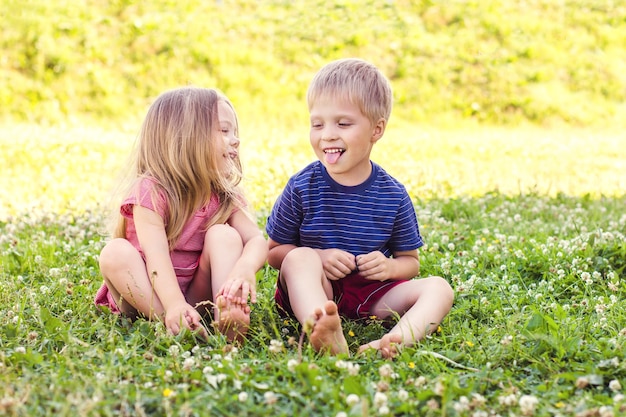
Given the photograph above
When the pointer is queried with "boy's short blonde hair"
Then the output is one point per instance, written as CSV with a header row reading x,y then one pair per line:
x,y
357,80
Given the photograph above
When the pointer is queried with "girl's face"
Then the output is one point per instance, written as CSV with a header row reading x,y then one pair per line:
x,y
228,126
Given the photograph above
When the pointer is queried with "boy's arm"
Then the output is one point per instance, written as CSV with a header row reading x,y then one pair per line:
x,y
376,266
277,253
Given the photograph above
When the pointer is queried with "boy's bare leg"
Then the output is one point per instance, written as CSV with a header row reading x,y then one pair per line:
x,y
425,301
327,335
309,293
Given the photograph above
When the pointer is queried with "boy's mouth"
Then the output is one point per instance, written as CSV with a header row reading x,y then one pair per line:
x,y
331,155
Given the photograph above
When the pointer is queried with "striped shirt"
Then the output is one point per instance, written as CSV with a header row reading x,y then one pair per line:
x,y
317,212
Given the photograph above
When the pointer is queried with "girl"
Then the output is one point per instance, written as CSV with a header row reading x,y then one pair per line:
x,y
182,238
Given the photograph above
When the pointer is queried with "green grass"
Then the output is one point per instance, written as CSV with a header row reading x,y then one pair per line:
x,y
536,254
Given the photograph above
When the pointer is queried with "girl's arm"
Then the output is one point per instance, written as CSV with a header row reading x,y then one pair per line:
x,y
254,255
153,240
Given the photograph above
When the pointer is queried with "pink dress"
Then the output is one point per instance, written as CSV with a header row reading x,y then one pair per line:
x,y
185,255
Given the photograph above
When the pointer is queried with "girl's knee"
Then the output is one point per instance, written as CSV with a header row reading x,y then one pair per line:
x,y
222,234
116,251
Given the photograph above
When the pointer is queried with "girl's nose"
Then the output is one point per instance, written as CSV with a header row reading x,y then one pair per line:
x,y
234,141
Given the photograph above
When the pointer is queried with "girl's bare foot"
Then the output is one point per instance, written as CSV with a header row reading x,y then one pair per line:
x,y
388,345
231,319
327,335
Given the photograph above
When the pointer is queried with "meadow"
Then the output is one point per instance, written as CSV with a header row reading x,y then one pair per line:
x,y
527,224
507,131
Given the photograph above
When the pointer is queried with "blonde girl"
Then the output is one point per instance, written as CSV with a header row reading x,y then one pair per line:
x,y
182,240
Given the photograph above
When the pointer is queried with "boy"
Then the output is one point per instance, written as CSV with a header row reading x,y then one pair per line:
x,y
343,233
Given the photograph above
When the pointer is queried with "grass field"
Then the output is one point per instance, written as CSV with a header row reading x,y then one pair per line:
x,y
528,225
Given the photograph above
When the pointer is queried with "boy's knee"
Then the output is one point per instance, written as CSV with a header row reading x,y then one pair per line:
x,y
444,289
300,256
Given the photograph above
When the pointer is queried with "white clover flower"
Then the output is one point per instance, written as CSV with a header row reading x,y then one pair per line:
x,y
276,346
352,400
188,363
527,404
291,364
507,400
20,349
342,414
420,381
353,368
242,397
385,371
606,411
461,405
380,399
615,385
174,350
403,395
270,397
341,364
439,388
383,410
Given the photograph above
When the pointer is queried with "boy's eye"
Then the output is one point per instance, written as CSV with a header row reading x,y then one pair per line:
x,y
344,124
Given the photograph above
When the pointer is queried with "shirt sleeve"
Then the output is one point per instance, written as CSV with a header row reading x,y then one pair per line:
x,y
406,235
145,194
283,223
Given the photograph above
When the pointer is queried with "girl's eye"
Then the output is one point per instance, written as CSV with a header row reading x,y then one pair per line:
x,y
225,131
344,124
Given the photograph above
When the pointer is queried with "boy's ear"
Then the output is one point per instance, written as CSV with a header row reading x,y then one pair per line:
x,y
379,129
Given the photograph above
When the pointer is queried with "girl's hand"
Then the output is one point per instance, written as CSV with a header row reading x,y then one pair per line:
x,y
337,263
182,315
238,290
374,266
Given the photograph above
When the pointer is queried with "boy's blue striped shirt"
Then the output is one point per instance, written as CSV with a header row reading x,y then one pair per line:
x,y
315,211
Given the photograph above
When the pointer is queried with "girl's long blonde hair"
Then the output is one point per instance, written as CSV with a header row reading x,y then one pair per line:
x,y
176,147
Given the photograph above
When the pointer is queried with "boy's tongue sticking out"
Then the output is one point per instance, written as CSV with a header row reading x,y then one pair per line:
x,y
332,155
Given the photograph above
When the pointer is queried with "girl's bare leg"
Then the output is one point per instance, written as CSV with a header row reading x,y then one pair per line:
x,y
423,303
222,249
126,277
301,273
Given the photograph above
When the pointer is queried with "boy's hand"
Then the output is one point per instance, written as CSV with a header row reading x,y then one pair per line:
x,y
181,316
374,266
337,263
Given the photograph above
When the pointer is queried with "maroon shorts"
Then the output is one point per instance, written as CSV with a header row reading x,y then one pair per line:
x,y
354,295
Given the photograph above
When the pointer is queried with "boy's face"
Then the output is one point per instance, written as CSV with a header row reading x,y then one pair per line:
x,y
342,138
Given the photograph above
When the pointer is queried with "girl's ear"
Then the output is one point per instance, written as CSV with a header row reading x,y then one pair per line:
x,y
379,129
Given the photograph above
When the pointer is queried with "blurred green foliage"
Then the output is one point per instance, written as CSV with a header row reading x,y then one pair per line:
x,y
498,62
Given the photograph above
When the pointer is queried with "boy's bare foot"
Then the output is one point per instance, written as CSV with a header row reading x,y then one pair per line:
x,y
232,320
389,345
327,335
